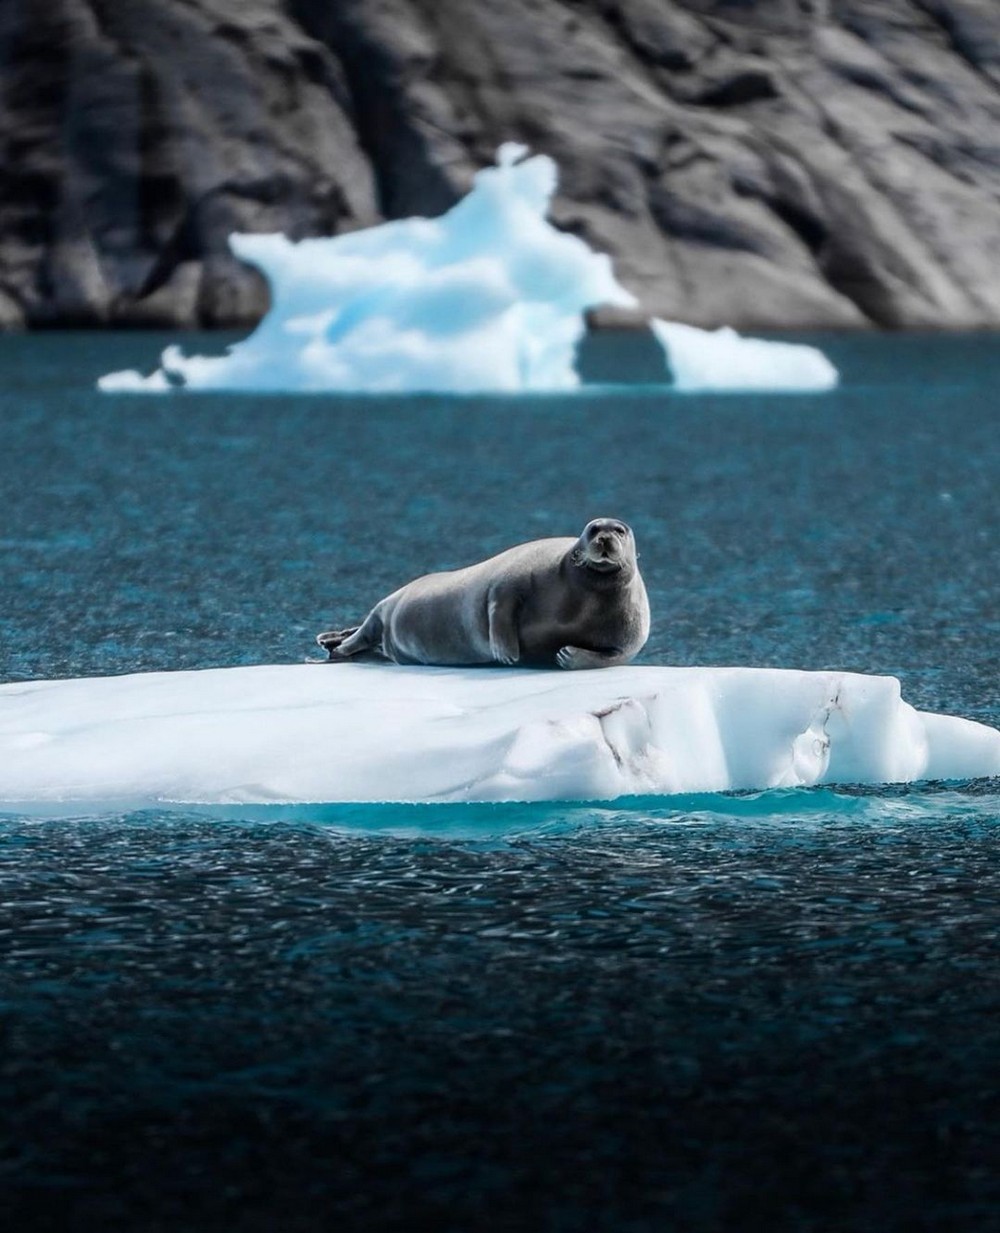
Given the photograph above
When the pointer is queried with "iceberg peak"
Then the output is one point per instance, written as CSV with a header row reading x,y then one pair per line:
x,y
511,152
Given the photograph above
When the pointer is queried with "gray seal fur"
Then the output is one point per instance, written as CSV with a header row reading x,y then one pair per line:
x,y
567,603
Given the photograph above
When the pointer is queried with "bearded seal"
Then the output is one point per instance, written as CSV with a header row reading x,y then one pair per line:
x,y
567,603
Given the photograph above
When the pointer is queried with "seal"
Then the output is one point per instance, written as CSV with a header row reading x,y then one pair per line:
x,y
567,603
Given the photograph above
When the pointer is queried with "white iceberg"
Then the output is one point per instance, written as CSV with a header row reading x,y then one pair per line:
x,y
488,297
723,360
371,732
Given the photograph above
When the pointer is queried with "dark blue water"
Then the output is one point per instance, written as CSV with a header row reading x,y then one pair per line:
x,y
774,1011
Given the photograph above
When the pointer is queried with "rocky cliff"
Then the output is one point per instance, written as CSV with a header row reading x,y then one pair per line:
x,y
765,163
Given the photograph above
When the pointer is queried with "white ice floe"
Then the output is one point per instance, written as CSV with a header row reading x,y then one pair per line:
x,y
378,732
488,297
724,360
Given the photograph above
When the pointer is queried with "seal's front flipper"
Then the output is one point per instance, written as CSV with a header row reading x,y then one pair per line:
x,y
574,657
504,645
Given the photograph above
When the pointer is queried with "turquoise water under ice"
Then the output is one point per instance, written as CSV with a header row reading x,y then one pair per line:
x,y
772,1010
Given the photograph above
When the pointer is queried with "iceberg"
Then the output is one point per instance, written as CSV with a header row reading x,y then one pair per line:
x,y
724,360
490,297
375,732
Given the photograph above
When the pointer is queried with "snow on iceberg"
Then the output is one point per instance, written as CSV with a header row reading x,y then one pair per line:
x,y
378,732
488,297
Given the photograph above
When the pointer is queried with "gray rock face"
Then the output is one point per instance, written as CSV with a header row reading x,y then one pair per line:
x,y
762,163
138,133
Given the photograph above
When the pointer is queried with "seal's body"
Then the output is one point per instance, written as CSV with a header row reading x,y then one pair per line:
x,y
571,603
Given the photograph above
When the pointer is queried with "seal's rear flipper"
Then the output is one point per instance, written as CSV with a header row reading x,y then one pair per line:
x,y
343,643
332,639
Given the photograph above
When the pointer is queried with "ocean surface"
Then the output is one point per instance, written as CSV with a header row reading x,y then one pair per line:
x,y
772,1011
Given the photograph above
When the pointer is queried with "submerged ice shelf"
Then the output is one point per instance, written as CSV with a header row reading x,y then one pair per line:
x,y
360,732
489,297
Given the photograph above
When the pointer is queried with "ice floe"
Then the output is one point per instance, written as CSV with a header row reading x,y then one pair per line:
x,y
359,732
488,297
725,360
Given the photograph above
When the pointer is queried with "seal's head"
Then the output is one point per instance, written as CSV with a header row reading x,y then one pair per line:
x,y
607,547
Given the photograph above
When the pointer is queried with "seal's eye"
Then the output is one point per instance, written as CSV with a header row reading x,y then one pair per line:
x,y
619,530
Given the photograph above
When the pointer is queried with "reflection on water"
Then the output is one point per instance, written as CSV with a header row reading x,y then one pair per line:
x,y
764,1010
